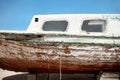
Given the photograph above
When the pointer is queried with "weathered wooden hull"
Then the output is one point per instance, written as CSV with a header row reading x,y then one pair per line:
x,y
52,57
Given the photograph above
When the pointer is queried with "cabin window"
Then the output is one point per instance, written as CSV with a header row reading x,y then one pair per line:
x,y
55,26
36,19
94,25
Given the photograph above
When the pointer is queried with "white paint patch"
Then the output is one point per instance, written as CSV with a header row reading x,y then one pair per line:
x,y
82,40
5,73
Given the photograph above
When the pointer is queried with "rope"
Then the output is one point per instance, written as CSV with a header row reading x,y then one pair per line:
x,y
48,69
60,67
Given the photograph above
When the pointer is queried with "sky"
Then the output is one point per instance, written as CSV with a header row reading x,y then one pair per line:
x,y
17,14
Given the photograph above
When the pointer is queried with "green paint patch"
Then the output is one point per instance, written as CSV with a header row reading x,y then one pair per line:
x,y
77,43
96,44
105,37
63,35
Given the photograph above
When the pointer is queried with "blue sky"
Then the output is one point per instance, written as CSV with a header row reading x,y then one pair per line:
x,y
17,14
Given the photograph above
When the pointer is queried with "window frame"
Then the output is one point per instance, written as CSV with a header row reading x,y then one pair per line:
x,y
56,30
103,25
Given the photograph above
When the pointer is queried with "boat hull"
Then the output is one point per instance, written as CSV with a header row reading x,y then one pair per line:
x,y
53,57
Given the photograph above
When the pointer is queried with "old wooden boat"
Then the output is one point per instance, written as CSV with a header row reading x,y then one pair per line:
x,y
48,47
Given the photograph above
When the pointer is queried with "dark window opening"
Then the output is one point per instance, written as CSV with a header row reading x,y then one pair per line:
x,y
55,26
36,19
94,25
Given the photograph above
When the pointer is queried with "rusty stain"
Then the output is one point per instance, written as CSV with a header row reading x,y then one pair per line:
x,y
117,50
38,54
66,49
0,43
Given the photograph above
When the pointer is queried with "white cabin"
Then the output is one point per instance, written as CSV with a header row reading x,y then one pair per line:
x,y
76,24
